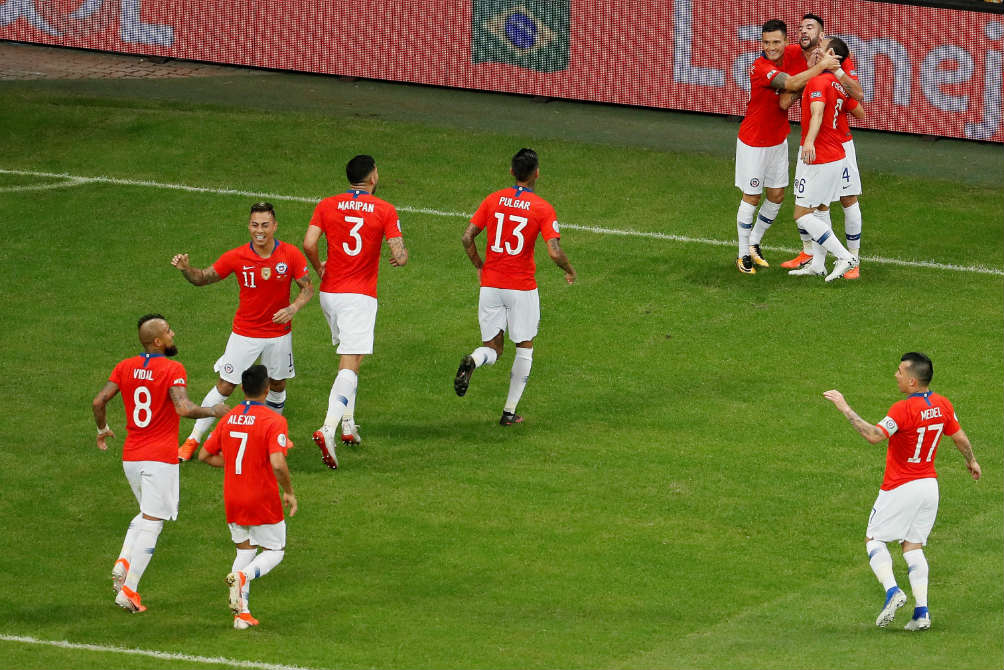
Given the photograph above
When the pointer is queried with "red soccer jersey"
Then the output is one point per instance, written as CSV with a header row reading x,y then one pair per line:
x,y
844,128
826,89
513,217
247,436
151,420
765,123
354,225
914,427
265,285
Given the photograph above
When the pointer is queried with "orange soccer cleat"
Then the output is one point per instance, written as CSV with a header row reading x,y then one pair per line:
x,y
244,620
853,273
129,600
187,450
798,261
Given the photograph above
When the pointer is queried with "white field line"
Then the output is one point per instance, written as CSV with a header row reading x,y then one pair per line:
x,y
76,180
187,658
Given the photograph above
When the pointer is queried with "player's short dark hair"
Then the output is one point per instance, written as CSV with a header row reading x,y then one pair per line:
x,y
839,48
263,207
148,317
773,25
524,164
359,168
814,17
254,380
920,365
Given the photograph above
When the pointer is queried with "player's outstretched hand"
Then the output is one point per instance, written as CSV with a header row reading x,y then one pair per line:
x,y
836,397
102,436
180,261
220,410
570,277
289,501
974,470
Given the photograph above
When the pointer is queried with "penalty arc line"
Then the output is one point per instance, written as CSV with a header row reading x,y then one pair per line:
x,y
189,658
76,180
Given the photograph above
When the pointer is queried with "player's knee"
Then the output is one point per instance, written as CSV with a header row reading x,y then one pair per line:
x,y
277,385
225,387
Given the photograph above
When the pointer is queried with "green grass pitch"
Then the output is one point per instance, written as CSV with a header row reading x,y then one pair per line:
x,y
680,495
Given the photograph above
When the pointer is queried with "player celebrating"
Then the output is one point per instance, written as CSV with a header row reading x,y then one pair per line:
x,y
508,298
250,445
810,42
265,270
907,502
354,224
820,164
153,392
762,146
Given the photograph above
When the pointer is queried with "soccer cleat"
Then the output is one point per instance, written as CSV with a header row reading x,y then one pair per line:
x,y
119,572
129,600
808,271
745,265
244,620
757,256
324,437
894,599
798,261
853,273
236,582
350,432
842,266
464,372
187,450
918,623
509,418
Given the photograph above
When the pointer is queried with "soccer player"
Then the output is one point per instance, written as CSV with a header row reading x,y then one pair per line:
x,y
153,392
907,502
250,444
820,165
265,270
811,40
354,225
513,218
762,145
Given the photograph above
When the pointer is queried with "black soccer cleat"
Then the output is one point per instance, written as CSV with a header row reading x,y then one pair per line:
x,y
463,378
509,418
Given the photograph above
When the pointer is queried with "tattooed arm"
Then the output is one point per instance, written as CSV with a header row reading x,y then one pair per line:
x,y
869,431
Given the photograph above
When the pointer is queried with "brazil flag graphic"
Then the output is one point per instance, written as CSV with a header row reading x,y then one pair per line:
x,y
531,34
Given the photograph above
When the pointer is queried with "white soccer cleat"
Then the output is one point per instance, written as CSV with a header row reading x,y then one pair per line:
x,y
324,438
894,599
236,582
807,270
842,266
119,572
923,623
350,432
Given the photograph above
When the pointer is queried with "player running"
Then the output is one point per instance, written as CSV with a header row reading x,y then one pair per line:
x,y
250,444
513,218
153,392
265,270
907,502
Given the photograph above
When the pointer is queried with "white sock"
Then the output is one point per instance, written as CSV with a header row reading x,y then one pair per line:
x,y
916,563
484,356
881,561
148,531
263,564
276,400
768,212
338,400
822,235
350,409
517,378
214,397
744,226
130,538
852,228
244,557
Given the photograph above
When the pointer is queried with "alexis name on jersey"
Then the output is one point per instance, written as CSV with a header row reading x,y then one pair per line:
x,y
241,419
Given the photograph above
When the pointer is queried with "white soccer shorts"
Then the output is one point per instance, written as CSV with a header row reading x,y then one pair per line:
x,y
817,184
850,178
758,168
155,485
241,353
501,309
269,535
905,513
351,317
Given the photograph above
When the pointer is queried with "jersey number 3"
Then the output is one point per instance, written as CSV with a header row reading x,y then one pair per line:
x,y
936,428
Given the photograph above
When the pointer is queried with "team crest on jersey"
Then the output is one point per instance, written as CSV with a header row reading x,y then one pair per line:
x,y
281,268
228,368
266,272
754,182
816,94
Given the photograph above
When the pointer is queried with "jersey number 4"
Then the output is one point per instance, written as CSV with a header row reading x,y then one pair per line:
x,y
936,428
517,233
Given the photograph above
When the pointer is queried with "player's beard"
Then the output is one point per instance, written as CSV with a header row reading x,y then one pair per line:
x,y
171,351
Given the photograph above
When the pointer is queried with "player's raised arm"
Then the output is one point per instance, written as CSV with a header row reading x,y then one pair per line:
x,y
196,276
98,406
398,252
467,239
185,407
870,432
782,81
557,255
